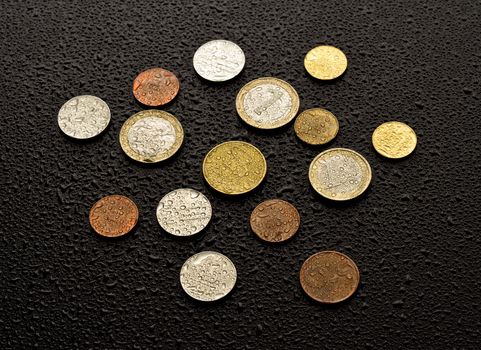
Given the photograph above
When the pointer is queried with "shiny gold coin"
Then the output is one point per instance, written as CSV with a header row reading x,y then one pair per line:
x,y
394,140
234,167
325,62
316,126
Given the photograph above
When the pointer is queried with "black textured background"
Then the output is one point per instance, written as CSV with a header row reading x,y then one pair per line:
x,y
414,234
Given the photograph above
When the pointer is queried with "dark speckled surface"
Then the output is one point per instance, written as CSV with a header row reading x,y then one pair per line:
x,y
414,234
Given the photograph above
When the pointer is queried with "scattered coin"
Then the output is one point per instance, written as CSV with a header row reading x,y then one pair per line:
x,y
394,140
325,62
155,87
340,174
316,126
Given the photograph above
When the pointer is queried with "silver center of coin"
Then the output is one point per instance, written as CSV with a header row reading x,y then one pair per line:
x,y
339,173
267,103
151,136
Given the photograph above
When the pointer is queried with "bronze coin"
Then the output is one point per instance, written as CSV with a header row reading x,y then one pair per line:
x,y
329,277
155,87
113,216
275,220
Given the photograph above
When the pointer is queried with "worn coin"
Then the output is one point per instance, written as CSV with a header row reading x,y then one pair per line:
x,y
267,103
83,117
394,139
325,62
316,126
340,174
208,276
329,277
155,87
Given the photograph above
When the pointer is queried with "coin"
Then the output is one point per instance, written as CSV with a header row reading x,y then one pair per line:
x,y
267,103
219,60
394,140
208,276
329,277
155,87
151,136
340,174
184,212
275,220
84,117
234,167
316,126
325,62
113,216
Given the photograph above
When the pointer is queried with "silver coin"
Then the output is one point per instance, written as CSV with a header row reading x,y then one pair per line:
x,y
84,117
219,60
151,136
184,212
208,276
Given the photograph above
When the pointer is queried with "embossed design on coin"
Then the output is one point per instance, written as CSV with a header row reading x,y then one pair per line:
x,y
113,216
155,87
394,140
325,62
329,277
219,60
84,117
316,126
208,276
340,174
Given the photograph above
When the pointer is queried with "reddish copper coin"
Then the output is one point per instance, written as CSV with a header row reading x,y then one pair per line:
x,y
113,216
275,220
155,87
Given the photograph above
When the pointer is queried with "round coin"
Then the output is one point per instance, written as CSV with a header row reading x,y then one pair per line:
x,y
329,277
151,136
267,103
84,117
234,167
316,126
325,62
275,220
394,140
219,60
155,87
113,216
208,276
340,174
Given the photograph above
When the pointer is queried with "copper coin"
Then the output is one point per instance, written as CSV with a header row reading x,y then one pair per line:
x,y
329,277
113,216
275,220
155,87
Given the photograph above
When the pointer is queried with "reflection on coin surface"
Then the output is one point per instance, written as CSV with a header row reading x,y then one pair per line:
x,y
219,60
329,277
325,62
234,167
113,216
267,103
275,220
151,136
340,174
394,140
184,212
208,276
316,126
155,87
83,117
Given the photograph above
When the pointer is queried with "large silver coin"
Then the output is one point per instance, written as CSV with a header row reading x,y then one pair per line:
x,y
219,60
84,117
208,276
184,212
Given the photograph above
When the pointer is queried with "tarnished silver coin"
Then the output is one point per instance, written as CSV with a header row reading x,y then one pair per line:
x,y
184,212
219,60
208,276
84,117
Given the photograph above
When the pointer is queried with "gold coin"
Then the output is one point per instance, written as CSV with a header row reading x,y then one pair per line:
x,y
340,174
325,62
267,103
316,126
151,136
234,167
394,140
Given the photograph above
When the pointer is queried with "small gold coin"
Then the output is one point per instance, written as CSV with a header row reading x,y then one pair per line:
x,y
234,167
394,140
325,62
316,126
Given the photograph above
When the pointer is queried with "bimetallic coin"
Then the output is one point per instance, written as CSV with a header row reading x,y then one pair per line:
x,y
155,87
394,140
219,60
340,174
208,276
316,126
267,103
113,216
84,117
234,167
151,136
325,62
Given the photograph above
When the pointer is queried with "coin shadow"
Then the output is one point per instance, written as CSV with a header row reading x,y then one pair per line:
x,y
199,236
206,304
268,132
